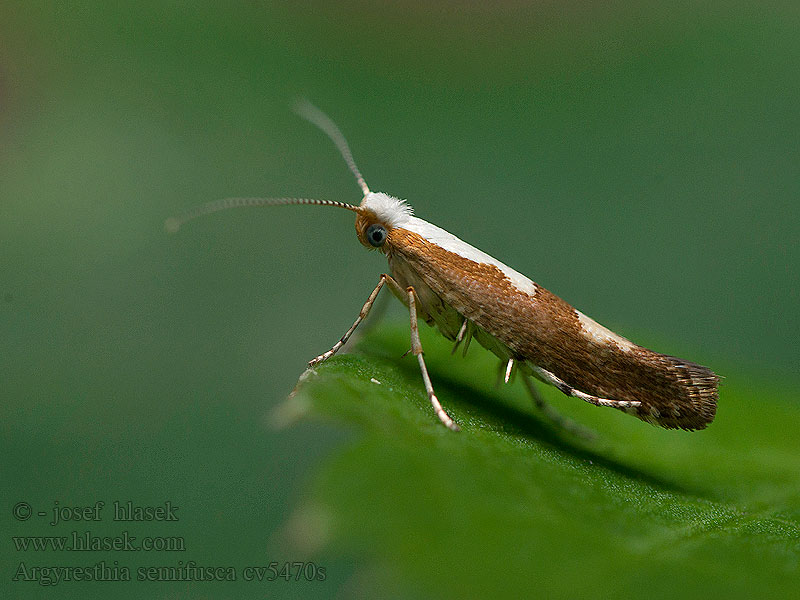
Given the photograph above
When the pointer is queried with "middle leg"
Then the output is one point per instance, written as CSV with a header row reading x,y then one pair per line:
x,y
416,348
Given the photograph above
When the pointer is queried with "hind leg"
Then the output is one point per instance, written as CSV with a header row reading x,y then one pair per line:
x,y
553,415
548,377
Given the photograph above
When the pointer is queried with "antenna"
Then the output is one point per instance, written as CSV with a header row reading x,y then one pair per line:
x,y
313,115
174,223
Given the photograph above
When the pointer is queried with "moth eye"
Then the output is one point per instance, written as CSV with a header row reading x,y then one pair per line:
x,y
376,235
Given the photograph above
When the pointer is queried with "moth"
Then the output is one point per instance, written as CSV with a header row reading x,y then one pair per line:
x,y
468,295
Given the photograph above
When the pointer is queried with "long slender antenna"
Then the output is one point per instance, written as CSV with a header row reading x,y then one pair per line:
x,y
174,223
313,115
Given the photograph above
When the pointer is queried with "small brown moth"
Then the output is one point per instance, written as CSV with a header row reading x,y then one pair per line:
x,y
467,295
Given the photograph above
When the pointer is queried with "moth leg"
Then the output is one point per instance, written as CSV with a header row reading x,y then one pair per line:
x,y
506,371
460,335
416,348
361,316
553,415
509,370
548,377
464,335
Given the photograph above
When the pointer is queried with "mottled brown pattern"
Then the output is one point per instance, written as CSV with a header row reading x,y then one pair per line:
x,y
545,331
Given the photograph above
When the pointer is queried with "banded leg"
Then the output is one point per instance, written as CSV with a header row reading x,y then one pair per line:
x,y
548,377
361,316
416,348
553,415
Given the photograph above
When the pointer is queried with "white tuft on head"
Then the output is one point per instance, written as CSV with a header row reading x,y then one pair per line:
x,y
392,211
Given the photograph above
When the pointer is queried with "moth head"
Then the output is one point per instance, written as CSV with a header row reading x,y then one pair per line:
x,y
378,215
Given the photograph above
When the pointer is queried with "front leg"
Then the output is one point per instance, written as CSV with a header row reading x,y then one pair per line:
x,y
361,316
416,346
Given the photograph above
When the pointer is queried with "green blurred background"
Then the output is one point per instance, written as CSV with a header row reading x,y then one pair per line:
x,y
639,160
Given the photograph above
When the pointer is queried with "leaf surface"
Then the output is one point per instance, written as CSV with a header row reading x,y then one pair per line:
x,y
514,506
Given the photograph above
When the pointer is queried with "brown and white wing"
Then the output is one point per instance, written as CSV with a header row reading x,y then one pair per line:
x,y
544,330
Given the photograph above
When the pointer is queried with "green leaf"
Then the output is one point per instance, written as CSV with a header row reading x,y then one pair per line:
x,y
514,507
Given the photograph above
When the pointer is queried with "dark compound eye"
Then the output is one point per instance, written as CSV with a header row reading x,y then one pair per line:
x,y
376,235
